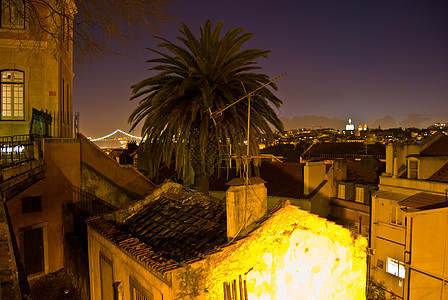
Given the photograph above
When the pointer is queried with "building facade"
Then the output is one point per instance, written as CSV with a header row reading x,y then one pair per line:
x,y
36,69
412,189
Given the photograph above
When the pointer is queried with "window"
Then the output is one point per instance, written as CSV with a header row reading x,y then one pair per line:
x,y
413,169
31,204
359,194
11,95
341,191
12,14
395,267
106,276
138,292
396,215
140,295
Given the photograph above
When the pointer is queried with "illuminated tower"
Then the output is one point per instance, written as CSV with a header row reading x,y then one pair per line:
x,y
349,126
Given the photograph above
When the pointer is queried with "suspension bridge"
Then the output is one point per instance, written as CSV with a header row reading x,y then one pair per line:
x,y
116,139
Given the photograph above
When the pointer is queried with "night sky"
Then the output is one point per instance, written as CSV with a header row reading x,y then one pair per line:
x,y
378,62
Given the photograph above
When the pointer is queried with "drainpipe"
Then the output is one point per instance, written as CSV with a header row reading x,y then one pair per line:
x,y
360,219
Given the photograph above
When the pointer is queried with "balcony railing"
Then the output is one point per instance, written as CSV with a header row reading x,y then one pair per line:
x,y
18,149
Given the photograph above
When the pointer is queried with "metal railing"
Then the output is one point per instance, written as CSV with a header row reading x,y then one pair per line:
x,y
17,149
55,124
90,203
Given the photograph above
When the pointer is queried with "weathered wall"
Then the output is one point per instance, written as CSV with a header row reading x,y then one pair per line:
x,y
124,269
55,190
76,264
126,177
293,255
102,187
244,206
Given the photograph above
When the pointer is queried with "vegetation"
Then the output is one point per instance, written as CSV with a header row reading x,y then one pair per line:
x,y
197,77
375,291
92,25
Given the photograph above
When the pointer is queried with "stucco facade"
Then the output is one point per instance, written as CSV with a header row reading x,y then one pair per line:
x,y
407,224
109,265
42,252
39,214
428,268
46,83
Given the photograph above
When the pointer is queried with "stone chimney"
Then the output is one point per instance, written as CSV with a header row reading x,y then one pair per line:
x,y
241,213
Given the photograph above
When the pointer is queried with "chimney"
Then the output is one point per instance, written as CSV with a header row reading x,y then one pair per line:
x,y
340,169
241,213
313,175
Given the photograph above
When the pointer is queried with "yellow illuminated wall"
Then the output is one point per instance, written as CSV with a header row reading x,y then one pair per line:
x,y
293,255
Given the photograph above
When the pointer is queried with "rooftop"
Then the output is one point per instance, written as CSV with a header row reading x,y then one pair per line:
x,y
441,175
282,179
176,225
438,146
425,201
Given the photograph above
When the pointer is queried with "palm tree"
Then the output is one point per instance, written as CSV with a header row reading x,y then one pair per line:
x,y
195,78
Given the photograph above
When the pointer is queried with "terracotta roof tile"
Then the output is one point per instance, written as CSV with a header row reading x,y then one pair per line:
x,y
425,201
355,171
241,181
441,175
346,148
282,179
170,229
438,148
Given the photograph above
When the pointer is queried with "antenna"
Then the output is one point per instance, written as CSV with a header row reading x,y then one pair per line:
x,y
213,115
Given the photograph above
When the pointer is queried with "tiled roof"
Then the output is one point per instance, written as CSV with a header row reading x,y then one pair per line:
x,y
176,226
282,179
437,148
241,181
441,175
347,148
356,172
425,201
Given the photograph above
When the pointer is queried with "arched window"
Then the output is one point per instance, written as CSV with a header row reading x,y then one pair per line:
x,y
12,14
11,94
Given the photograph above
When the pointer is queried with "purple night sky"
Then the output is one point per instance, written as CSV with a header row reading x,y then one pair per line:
x,y
380,62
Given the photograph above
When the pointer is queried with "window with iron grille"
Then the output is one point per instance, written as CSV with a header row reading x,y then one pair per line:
x,y
140,292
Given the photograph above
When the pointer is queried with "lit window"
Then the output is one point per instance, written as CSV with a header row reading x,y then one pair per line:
x,y
11,94
395,267
341,191
12,14
359,194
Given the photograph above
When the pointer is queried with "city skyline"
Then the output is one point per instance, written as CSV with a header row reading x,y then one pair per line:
x,y
375,61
